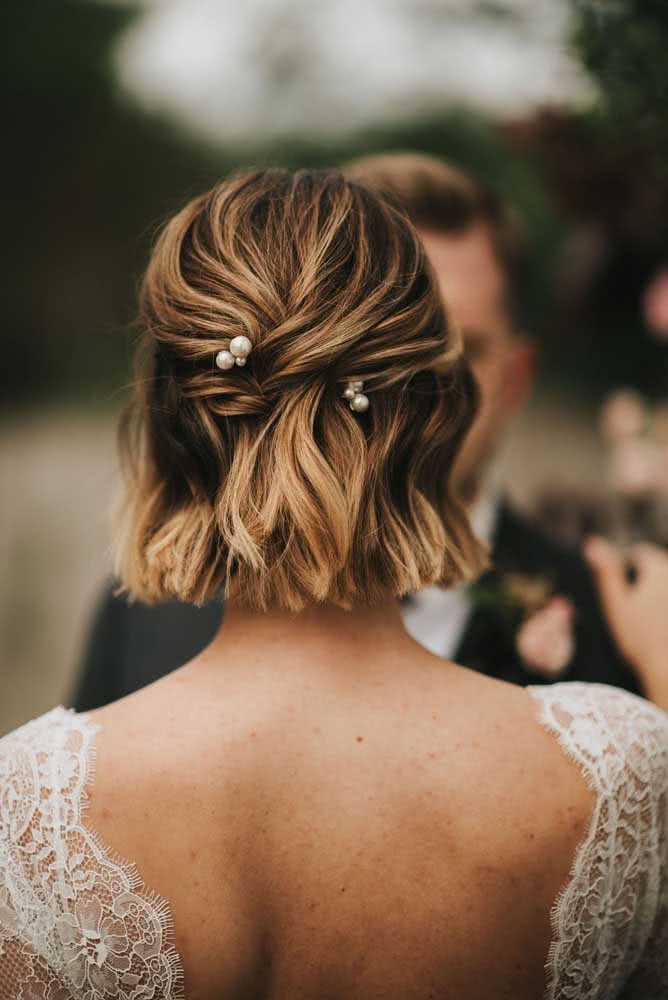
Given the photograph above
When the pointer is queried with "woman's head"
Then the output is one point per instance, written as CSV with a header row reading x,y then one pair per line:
x,y
260,481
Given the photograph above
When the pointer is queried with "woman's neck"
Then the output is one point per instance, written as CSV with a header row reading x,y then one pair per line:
x,y
318,629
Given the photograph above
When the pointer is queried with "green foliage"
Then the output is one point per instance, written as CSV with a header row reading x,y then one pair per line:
x,y
613,178
89,177
623,44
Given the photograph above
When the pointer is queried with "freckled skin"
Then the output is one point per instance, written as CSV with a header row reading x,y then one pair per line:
x,y
298,867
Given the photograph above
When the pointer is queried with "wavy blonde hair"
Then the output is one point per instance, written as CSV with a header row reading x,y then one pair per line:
x,y
260,482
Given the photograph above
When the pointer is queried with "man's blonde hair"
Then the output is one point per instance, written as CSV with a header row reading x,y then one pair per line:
x,y
260,482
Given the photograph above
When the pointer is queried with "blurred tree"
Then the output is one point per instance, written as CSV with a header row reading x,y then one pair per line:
x,y
598,174
89,176
608,170
622,43
86,176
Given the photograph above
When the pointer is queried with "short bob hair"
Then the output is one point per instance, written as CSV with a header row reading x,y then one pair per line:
x,y
260,483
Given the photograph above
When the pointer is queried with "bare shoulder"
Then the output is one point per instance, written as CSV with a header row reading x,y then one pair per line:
x,y
615,737
539,794
565,750
163,756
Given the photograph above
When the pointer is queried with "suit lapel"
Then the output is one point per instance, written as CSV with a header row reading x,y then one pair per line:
x,y
488,643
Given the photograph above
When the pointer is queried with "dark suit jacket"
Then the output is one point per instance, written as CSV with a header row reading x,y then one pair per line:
x,y
131,645
489,641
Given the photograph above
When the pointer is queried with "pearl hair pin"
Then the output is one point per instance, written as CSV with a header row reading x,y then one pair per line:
x,y
237,353
359,403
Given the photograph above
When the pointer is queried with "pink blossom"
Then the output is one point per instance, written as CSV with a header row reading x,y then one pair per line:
x,y
546,641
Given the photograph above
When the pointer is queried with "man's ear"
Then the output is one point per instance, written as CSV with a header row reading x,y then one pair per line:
x,y
522,363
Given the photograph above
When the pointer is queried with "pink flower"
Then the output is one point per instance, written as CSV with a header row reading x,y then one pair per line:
x,y
545,641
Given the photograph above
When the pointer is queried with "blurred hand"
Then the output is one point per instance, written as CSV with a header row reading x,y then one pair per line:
x,y
637,611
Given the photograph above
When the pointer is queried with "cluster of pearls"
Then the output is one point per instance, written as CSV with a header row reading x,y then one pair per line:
x,y
359,403
239,349
237,354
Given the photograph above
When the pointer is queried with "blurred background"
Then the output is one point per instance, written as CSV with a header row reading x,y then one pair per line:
x,y
118,112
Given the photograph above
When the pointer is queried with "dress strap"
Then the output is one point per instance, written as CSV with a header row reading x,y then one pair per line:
x,y
80,918
603,919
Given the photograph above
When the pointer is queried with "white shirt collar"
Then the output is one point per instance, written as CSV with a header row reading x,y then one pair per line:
x,y
437,618
484,516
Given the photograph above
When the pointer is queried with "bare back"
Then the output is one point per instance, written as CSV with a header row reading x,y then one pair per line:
x,y
324,825
336,833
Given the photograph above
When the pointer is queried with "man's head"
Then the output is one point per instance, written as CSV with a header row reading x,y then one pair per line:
x,y
475,248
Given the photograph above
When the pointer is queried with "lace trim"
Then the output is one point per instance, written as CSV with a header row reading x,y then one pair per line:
x,y
88,921
603,918
76,922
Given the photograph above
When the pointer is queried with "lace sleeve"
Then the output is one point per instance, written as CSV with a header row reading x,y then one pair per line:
x,y
74,921
609,924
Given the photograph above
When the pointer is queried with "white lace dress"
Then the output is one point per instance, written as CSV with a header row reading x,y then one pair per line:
x,y
76,923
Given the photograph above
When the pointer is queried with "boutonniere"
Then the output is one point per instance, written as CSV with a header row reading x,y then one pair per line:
x,y
541,620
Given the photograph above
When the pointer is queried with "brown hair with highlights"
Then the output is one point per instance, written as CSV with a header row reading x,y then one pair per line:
x,y
443,198
260,482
